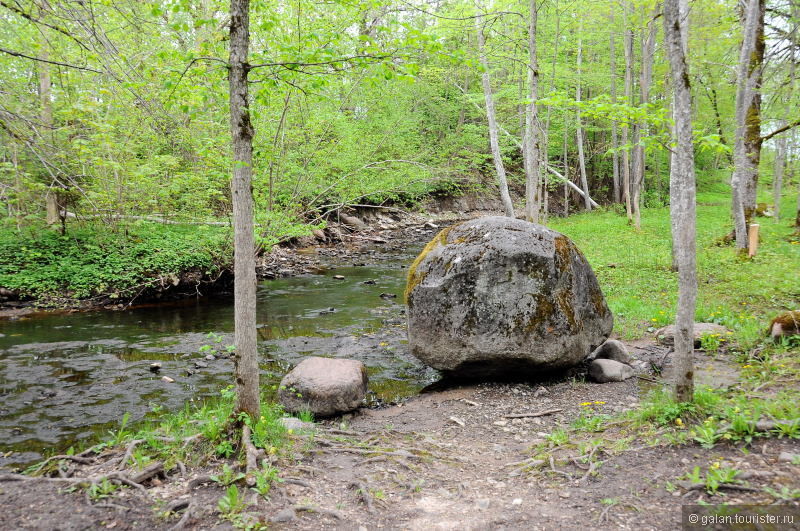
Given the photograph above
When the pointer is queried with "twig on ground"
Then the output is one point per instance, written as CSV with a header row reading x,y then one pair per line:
x,y
297,481
75,458
531,415
196,482
319,510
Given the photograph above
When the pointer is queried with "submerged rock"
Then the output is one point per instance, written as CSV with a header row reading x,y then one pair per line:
x,y
324,386
497,295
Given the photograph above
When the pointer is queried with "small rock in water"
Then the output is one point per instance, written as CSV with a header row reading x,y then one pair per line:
x,y
200,365
370,282
211,357
388,295
338,277
167,379
155,367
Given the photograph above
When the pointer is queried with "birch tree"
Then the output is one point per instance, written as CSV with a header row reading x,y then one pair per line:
x,y
242,132
683,210
614,131
502,182
645,80
581,159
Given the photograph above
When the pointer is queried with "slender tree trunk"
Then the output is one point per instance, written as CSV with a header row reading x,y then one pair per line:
x,y
626,164
752,138
683,29
246,369
777,174
581,160
746,110
614,131
683,211
646,79
566,175
46,117
508,206
532,140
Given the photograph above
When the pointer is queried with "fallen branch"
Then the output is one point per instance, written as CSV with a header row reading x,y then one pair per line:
x,y
554,469
196,482
531,415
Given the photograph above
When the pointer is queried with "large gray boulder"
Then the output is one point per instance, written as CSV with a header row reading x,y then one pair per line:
x,y
324,386
496,296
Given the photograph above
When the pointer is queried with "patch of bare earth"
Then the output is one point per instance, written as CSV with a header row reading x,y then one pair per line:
x,y
459,458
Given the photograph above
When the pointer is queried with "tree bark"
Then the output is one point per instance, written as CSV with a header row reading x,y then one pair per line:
x,y
532,140
683,28
777,175
581,160
46,117
614,131
505,197
645,80
682,211
626,164
566,176
752,139
246,369
747,111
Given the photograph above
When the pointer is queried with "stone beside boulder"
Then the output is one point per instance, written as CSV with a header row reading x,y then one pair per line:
x,y
607,370
496,296
666,335
612,350
324,386
785,325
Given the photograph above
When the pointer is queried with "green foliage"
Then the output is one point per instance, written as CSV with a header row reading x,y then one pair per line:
x,y
715,475
232,502
94,260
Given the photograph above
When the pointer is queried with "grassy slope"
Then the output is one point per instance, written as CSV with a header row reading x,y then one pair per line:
x,y
642,291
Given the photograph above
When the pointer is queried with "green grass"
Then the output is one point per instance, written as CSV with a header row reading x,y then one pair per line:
x,y
633,267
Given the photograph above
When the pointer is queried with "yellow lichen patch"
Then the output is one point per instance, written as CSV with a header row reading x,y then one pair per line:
x,y
563,247
565,304
414,278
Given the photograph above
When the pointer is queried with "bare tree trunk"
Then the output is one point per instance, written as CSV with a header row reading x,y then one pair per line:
x,y
246,369
752,137
683,28
46,117
626,164
581,160
777,174
683,211
566,176
646,79
508,206
614,131
746,88
532,140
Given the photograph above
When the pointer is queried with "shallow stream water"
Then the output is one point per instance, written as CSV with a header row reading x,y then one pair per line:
x,y
71,377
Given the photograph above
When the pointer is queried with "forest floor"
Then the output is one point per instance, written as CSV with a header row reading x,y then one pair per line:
x,y
454,459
